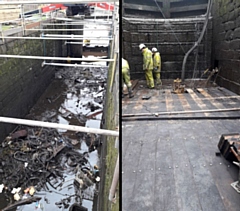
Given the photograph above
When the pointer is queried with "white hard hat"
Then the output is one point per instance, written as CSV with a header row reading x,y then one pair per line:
x,y
154,49
141,46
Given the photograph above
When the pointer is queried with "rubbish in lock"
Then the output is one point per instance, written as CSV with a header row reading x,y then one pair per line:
x,y
40,160
19,134
146,97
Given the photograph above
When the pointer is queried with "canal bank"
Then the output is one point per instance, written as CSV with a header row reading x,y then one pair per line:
x,y
75,97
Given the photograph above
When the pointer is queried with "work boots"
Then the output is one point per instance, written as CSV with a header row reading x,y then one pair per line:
x,y
130,92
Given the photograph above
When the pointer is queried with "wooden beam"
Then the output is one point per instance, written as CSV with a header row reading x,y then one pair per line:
x,y
188,8
140,7
175,0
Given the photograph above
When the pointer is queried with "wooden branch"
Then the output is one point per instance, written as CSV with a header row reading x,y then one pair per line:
x,y
22,202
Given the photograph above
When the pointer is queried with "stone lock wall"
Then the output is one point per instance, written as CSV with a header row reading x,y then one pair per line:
x,y
22,81
173,38
226,43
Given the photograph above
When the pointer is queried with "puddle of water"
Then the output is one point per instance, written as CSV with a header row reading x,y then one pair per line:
x,y
61,120
68,101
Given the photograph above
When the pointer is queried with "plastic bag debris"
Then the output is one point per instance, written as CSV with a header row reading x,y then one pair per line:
x,y
32,190
146,97
25,196
1,188
97,179
15,190
16,197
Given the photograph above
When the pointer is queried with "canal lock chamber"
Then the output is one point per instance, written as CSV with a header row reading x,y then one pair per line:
x,y
61,167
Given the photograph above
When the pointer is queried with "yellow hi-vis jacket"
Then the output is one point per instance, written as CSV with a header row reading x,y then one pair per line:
x,y
125,66
147,59
157,61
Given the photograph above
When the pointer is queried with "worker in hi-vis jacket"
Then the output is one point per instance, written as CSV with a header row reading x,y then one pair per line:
x,y
126,78
147,65
156,65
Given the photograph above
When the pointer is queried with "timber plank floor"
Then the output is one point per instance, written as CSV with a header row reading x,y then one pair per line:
x,y
168,154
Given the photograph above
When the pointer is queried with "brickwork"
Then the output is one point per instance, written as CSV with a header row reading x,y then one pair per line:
x,y
22,81
173,38
226,42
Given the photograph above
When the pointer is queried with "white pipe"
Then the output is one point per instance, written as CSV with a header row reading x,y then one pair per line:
x,y
81,43
115,179
75,36
236,163
72,65
58,126
88,29
83,21
56,58
76,23
51,38
51,1
23,19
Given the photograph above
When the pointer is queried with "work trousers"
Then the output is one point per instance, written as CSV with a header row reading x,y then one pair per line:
x,y
149,78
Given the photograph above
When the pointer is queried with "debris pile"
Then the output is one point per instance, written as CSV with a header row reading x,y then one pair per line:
x,y
47,162
35,159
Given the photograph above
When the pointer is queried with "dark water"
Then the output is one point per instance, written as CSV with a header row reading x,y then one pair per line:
x,y
74,97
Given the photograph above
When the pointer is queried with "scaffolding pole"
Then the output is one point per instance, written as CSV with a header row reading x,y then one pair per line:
x,y
82,43
56,58
53,38
72,65
87,29
75,23
23,19
76,36
83,21
59,126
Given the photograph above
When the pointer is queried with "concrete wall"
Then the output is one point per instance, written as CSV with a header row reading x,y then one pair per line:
x,y
173,38
226,43
22,81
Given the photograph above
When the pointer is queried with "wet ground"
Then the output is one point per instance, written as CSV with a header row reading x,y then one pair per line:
x,y
48,159
170,149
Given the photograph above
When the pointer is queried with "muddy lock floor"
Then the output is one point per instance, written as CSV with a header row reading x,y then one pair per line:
x,y
59,164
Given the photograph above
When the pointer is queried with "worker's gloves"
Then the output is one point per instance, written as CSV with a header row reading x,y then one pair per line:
x,y
155,69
